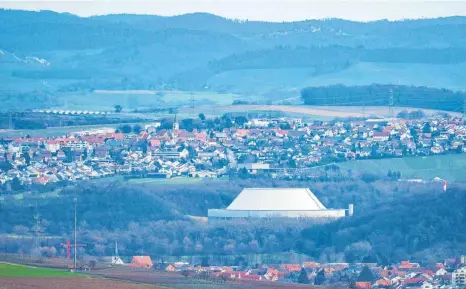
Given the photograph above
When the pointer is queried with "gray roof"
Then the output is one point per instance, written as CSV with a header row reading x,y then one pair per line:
x,y
276,199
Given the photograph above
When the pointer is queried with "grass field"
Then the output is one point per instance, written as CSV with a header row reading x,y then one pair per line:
x,y
172,181
136,99
311,112
364,73
260,80
14,270
448,167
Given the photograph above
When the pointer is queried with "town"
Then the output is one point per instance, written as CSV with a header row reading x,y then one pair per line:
x,y
450,273
221,147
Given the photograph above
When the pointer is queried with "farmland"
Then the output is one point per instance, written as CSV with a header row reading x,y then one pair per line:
x,y
14,270
313,112
449,167
68,283
134,99
176,280
364,73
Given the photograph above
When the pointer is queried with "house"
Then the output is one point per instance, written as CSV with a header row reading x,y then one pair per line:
x,y
459,277
384,282
427,285
406,265
52,146
363,285
141,262
380,136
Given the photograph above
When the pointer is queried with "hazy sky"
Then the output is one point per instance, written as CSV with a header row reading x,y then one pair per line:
x,y
268,10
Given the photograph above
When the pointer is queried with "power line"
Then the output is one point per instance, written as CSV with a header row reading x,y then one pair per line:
x,y
390,103
75,222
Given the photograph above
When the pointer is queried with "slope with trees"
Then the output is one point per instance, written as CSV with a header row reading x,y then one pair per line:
x,y
378,95
422,227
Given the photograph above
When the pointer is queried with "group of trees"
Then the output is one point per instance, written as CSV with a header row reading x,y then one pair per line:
x,y
28,120
379,95
127,128
153,218
423,227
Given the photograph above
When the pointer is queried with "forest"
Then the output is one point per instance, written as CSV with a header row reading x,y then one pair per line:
x,y
379,94
28,120
167,219
422,228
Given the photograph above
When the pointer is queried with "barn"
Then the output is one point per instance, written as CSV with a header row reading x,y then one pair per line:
x,y
277,202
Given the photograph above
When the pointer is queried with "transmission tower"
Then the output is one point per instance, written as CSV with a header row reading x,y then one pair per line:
x,y
390,103
464,107
192,100
36,231
75,222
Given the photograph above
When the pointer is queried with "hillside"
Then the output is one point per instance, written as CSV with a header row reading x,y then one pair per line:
x,y
56,55
423,227
142,215
379,95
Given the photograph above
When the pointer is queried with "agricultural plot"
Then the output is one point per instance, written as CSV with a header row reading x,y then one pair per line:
x,y
14,270
172,181
313,112
448,167
69,283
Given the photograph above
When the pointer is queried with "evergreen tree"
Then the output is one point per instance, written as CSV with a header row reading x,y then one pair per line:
x,y
320,278
303,279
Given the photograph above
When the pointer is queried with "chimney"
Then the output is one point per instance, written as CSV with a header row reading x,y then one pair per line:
x,y
350,210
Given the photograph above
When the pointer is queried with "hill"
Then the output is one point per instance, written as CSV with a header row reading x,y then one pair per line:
x,y
141,215
379,94
47,55
423,227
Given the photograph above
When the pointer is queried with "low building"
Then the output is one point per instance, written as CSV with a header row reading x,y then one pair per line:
x,y
276,202
459,277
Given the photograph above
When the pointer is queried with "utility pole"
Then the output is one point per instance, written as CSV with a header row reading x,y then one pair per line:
x,y
192,100
464,107
36,230
75,201
10,120
390,103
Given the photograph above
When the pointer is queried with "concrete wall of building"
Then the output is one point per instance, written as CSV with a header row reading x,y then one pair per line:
x,y
215,213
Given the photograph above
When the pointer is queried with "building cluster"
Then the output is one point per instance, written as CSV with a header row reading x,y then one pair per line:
x,y
259,144
450,274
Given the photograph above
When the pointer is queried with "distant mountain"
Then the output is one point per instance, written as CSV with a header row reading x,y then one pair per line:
x,y
206,52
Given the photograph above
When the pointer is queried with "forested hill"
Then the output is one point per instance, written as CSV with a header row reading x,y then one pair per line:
x,y
420,227
376,95
204,52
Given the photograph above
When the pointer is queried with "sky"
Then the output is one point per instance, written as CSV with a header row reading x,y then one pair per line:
x,y
264,10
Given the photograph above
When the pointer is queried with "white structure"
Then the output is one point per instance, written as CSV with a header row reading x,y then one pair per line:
x,y
116,260
276,202
458,277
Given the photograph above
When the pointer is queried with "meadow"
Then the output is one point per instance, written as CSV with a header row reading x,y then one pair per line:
x,y
14,270
448,167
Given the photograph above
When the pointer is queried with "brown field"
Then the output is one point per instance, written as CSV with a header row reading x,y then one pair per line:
x,y
68,283
325,111
176,280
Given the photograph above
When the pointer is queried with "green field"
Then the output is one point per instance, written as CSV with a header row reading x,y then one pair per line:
x,y
449,76
448,167
172,181
105,100
14,270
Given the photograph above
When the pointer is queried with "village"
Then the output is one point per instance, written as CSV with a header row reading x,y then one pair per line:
x,y
276,146
450,273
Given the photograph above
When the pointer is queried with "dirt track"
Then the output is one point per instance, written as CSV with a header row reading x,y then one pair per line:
x,y
68,283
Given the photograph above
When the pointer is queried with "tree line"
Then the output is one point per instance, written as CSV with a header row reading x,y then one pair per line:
x,y
380,95
155,219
